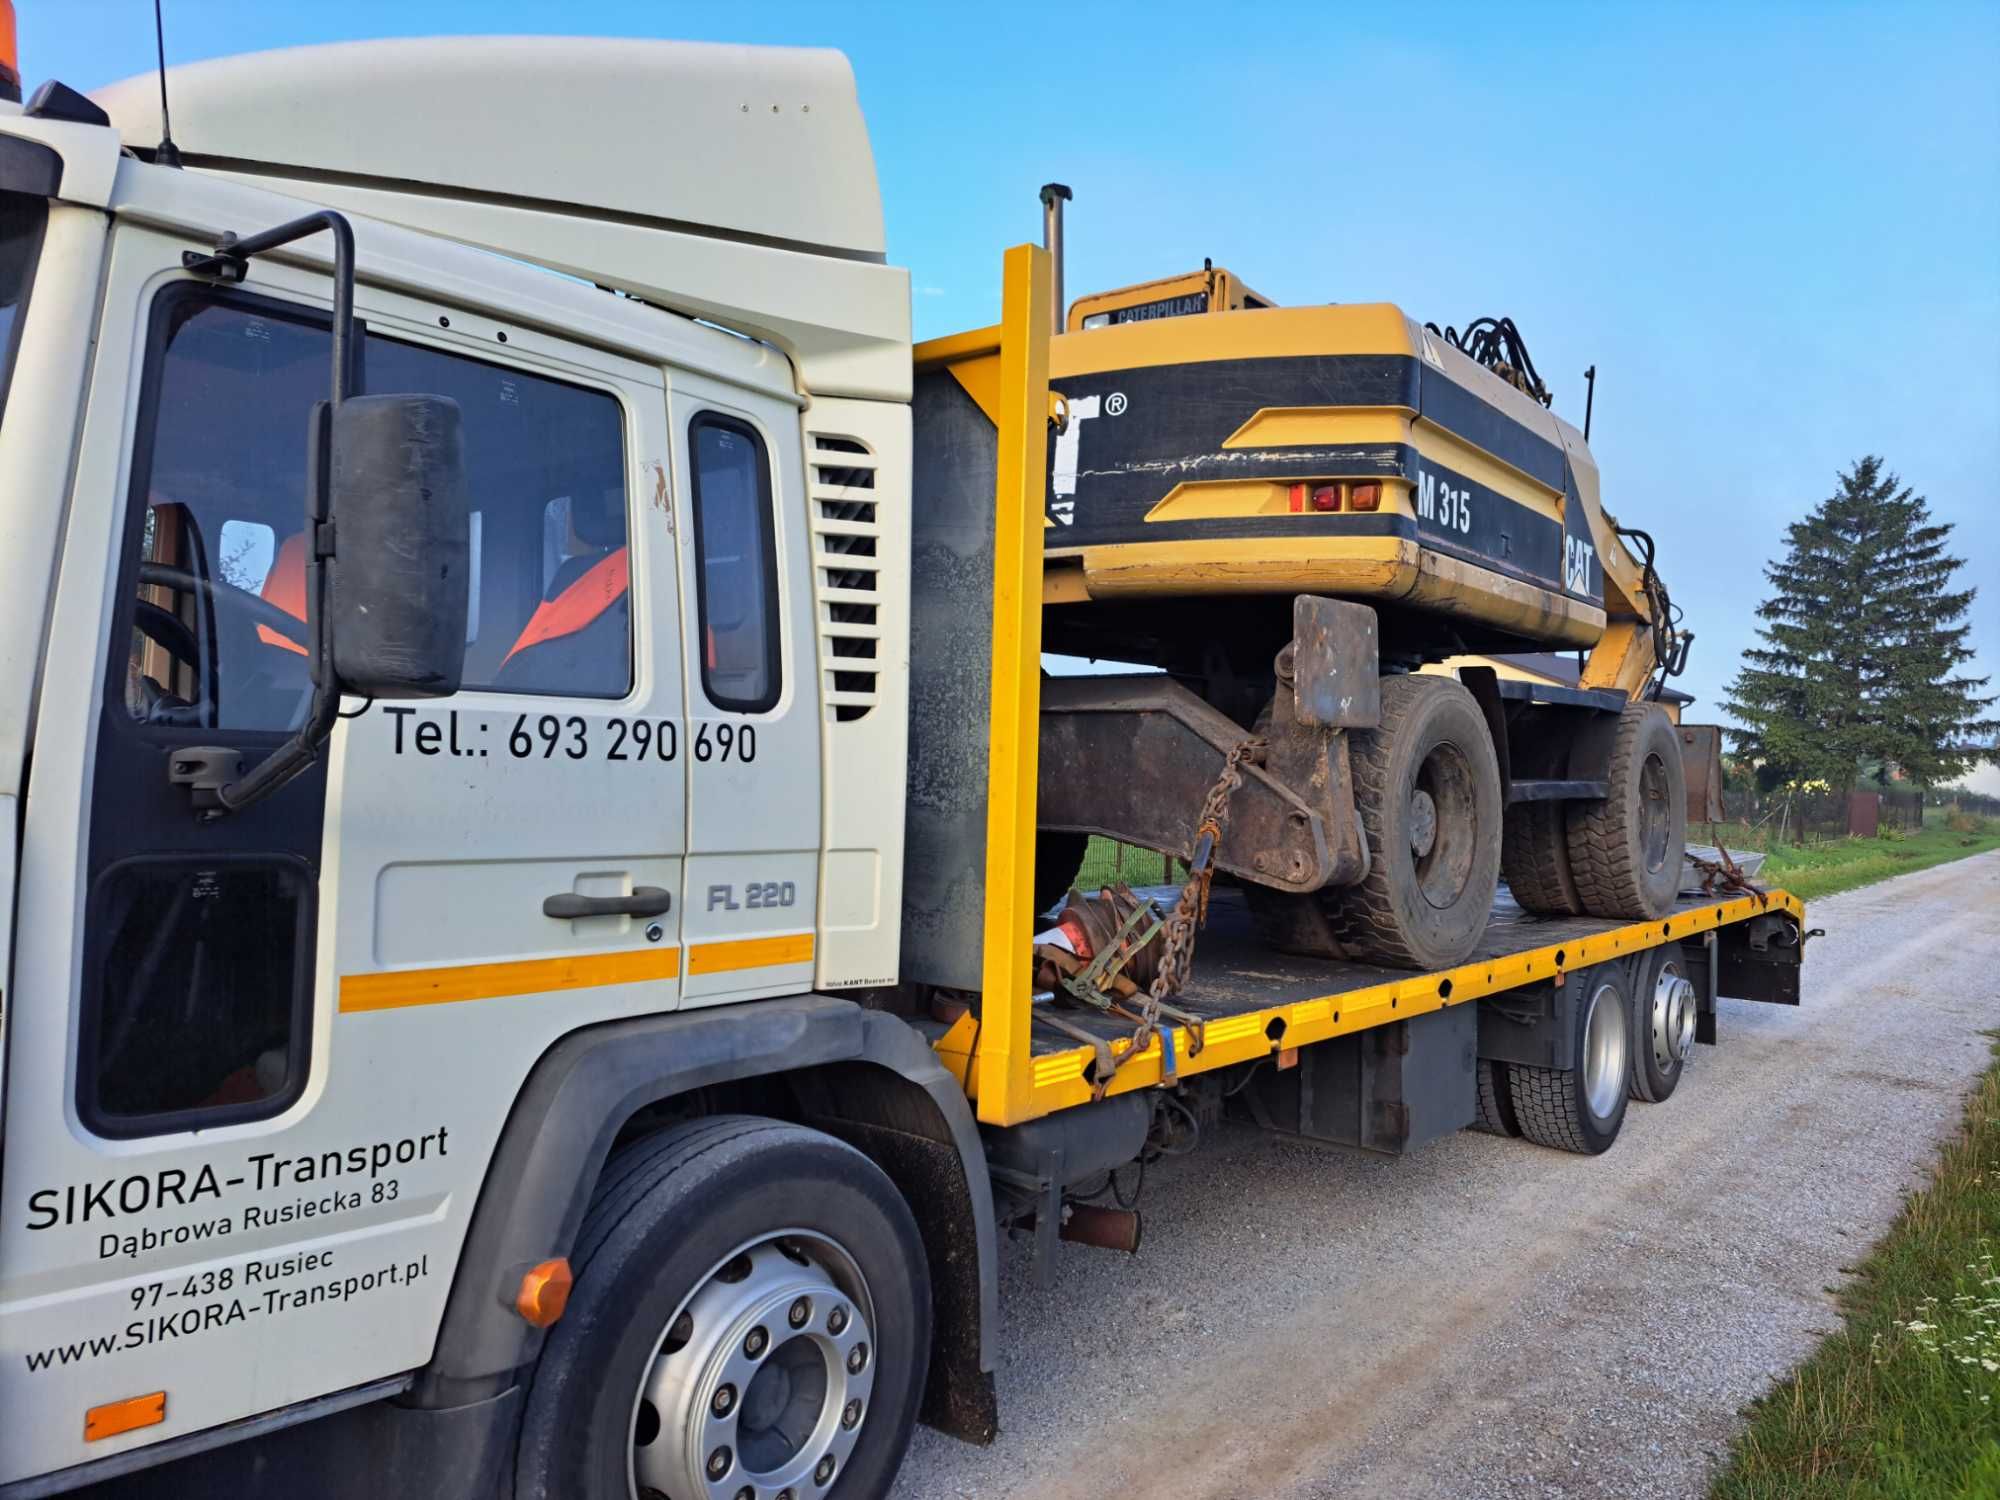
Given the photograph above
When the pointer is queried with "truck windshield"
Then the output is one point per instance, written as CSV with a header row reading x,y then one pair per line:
x,y
21,221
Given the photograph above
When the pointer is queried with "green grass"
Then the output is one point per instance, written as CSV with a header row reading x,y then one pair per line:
x,y
1842,864
1903,1402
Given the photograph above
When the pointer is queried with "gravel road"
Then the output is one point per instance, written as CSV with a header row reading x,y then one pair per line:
x,y
1488,1318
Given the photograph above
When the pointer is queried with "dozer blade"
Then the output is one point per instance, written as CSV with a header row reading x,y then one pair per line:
x,y
1701,763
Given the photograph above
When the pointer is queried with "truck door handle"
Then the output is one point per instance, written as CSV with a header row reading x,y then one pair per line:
x,y
645,901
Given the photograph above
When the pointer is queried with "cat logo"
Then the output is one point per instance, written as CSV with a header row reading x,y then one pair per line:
x,y
1577,557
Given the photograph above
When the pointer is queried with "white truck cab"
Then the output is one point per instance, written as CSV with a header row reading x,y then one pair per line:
x,y
258,1064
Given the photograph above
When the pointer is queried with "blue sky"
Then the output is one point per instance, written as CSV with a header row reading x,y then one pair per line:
x,y
1775,230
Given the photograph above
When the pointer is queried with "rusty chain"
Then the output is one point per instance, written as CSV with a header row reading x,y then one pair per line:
x,y
1190,911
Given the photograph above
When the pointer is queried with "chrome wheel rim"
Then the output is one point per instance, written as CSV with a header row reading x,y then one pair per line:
x,y
1673,1012
759,1388
1606,1059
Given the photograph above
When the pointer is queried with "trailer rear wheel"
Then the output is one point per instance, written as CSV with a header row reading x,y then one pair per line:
x,y
1625,851
751,1312
1534,860
1427,789
1496,1106
1581,1107
1663,1017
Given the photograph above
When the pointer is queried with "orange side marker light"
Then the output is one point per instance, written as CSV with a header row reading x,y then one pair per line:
x,y
544,1293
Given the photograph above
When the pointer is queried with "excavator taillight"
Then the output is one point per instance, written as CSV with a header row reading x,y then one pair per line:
x,y
1364,497
1326,497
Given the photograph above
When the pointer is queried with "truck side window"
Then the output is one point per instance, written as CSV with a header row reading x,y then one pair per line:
x,y
546,469
736,564
219,620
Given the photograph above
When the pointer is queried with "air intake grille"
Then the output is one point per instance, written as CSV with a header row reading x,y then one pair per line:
x,y
846,572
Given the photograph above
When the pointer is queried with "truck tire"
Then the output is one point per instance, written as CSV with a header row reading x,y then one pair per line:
x,y
1663,1016
1496,1106
1427,789
1534,860
1625,851
751,1309
1581,1107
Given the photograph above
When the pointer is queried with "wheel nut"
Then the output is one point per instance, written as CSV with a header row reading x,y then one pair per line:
x,y
756,1342
718,1463
724,1402
801,1311
823,1474
851,1415
836,1321
857,1357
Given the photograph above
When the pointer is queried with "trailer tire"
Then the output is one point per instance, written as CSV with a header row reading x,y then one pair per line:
x,y
1663,1019
1625,850
698,1234
1581,1107
1534,860
1429,890
1496,1106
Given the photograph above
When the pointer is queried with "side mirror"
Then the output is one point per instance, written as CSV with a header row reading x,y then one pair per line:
x,y
398,583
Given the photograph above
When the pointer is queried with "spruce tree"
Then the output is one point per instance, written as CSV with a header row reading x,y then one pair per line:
x,y
1864,639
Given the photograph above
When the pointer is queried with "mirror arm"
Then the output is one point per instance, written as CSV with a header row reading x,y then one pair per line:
x,y
230,262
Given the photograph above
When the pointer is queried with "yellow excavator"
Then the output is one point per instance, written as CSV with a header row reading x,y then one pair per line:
x,y
1288,513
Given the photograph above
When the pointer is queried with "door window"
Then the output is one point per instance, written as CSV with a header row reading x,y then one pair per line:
x,y
219,618
736,564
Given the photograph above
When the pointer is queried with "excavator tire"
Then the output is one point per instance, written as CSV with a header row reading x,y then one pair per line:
x,y
1058,857
1625,851
1427,789
1534,860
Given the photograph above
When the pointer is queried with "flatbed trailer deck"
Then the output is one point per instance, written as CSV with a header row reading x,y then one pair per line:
x,y
1257,1003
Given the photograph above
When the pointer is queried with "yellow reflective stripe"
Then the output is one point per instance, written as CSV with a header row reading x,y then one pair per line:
x,y
750,953
532,976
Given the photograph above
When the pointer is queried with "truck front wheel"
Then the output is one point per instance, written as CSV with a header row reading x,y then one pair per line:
x,y
751,1316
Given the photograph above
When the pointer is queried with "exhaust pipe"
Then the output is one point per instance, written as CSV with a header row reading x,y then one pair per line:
x,y
1054,196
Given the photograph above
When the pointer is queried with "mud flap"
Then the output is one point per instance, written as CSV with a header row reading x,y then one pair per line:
x,y
1760,959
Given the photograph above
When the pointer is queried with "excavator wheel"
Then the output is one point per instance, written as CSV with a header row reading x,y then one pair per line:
x,y
1058,857
1625,851
1427,788
1534,860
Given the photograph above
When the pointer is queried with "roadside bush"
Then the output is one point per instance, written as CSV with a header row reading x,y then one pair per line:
x,y
1960,821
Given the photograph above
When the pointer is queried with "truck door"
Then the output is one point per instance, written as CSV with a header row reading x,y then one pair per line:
x,y
752,674
258,1064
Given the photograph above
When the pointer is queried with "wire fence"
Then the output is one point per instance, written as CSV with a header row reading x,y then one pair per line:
x,y
1796,817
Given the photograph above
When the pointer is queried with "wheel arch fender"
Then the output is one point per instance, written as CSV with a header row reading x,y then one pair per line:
x,y
863,1075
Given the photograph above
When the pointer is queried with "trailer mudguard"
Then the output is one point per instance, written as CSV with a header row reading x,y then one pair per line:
x,y
592,1082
